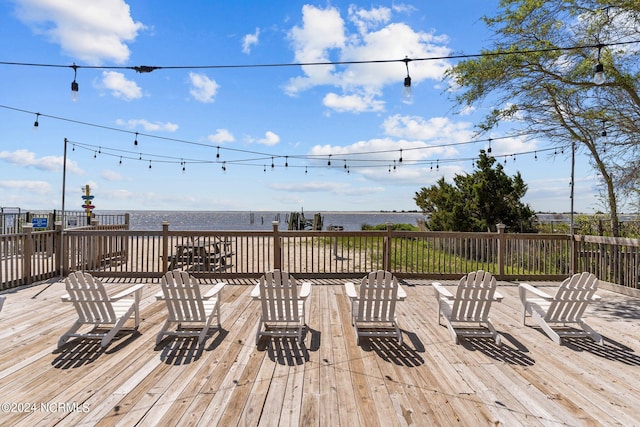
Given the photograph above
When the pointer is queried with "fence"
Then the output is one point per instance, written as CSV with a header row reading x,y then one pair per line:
x,y
114,251
13,219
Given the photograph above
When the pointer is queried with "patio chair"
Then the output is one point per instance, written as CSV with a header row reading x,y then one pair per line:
x,y
193,312
467,312
554,314
95,307
373,306
282,304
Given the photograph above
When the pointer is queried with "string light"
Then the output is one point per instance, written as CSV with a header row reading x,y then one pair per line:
x,y
489,149
36,124
74,84
598,77
135,141
407,83
400,156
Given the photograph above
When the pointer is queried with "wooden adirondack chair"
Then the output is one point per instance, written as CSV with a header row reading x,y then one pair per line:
x,y
467,312
282,304
373,307
554,314
188,308
95,307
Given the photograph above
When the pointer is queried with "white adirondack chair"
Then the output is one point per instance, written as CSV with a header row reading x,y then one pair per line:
x,y
282,304
193,312
467,312
555,314
95,307
373,306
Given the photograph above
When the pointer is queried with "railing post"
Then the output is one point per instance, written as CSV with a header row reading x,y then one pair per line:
x,y
277,247
502,249
574,250
59,256
386,256
165,246
27,251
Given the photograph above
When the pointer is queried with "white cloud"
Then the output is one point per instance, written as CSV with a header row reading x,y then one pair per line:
x,y
93,32
249,40
325,37
39,187
110,175
365,19
203,88
119,86
434,129
221,136
48,163
270,138
352,103
147,125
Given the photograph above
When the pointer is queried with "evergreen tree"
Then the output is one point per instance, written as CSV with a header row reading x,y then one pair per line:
x,y
477,201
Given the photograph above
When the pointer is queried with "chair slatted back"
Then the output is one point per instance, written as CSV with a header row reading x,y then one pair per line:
x,y
474,296
183,297
572,298
90,298
377,297
279,297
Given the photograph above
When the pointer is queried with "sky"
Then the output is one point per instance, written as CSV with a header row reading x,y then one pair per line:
x,y
230,120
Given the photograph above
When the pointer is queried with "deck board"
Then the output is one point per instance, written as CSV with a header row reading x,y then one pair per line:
x,y
329,380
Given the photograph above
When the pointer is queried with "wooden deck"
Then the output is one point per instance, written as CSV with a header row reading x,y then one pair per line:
x,y
329,381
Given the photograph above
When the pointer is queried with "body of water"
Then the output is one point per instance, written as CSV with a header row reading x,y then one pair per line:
x,y
260,220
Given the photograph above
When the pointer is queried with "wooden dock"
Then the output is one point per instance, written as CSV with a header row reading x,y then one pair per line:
x,y
328,381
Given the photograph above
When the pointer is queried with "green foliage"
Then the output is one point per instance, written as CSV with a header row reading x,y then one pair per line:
x,y
395,227
477,201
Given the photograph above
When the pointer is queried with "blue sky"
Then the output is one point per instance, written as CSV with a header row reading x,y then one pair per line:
x,y
208,136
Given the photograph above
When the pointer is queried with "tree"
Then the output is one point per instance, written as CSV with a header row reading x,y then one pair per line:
x,y
536,75
477,201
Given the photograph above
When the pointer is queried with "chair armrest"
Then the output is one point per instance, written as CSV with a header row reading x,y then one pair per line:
x,y
350,289
441,291
65,298
255,292
401,293
159,295
217,288
305,291
126,292
523,288
597,297
497,296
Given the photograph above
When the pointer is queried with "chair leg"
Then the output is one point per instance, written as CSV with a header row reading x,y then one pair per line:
x,y
259,332
546,328
116,328
65,337
592,333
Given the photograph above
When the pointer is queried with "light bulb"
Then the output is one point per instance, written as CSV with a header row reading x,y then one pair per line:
x,y
74,90
598,77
